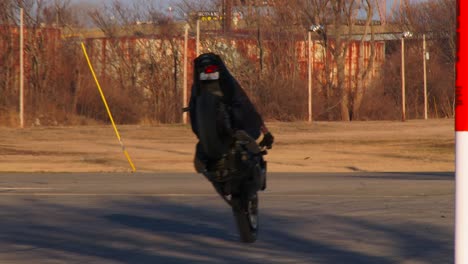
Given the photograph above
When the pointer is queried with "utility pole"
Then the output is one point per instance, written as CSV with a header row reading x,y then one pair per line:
x,y
309,72
21,57
425,76
403,101
184,98
227,16
406,34
197,45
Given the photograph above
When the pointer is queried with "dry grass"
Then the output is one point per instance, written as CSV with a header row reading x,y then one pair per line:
x,y
9,118
415,145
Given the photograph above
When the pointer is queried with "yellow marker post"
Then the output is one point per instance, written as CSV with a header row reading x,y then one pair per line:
x,y
107,108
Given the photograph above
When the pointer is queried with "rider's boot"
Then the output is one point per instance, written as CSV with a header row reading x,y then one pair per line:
x,y
263,170
200,166
200,161
216,173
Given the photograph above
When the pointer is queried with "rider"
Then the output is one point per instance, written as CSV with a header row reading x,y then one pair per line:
x,y
244,115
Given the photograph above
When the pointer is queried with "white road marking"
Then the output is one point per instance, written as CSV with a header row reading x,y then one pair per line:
x,y
24,188
214,194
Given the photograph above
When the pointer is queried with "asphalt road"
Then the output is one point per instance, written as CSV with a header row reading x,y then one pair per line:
x,y
177,218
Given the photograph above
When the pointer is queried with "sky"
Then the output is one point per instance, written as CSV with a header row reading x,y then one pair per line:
x,y
165,4
92,4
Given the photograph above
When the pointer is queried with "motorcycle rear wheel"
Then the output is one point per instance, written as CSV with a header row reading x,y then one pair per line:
x,y
245,212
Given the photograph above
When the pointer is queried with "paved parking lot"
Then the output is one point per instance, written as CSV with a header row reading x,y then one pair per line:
x,y
358,217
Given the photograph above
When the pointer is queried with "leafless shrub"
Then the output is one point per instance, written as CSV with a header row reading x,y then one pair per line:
x,y
139,61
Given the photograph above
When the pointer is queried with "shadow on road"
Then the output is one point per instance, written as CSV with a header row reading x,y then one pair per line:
x,y
185,230
422,176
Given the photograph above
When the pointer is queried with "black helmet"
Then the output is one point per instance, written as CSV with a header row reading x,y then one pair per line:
x,y
210,70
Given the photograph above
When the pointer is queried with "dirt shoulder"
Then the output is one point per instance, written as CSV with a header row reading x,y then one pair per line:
x,y
384,146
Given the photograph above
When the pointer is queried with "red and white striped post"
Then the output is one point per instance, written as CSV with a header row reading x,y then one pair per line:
x,y
461,138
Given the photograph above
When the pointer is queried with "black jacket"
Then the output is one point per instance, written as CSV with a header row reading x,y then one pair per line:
x,y
243,112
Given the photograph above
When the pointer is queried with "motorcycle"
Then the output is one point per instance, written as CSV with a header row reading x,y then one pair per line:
x,y
239,170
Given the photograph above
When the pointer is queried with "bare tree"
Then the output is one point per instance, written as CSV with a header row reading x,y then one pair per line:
x,y
437,19
142,55
47,60
338,18
8,55
362,80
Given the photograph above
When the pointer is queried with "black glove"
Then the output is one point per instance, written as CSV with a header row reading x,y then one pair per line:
x,y
267,140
